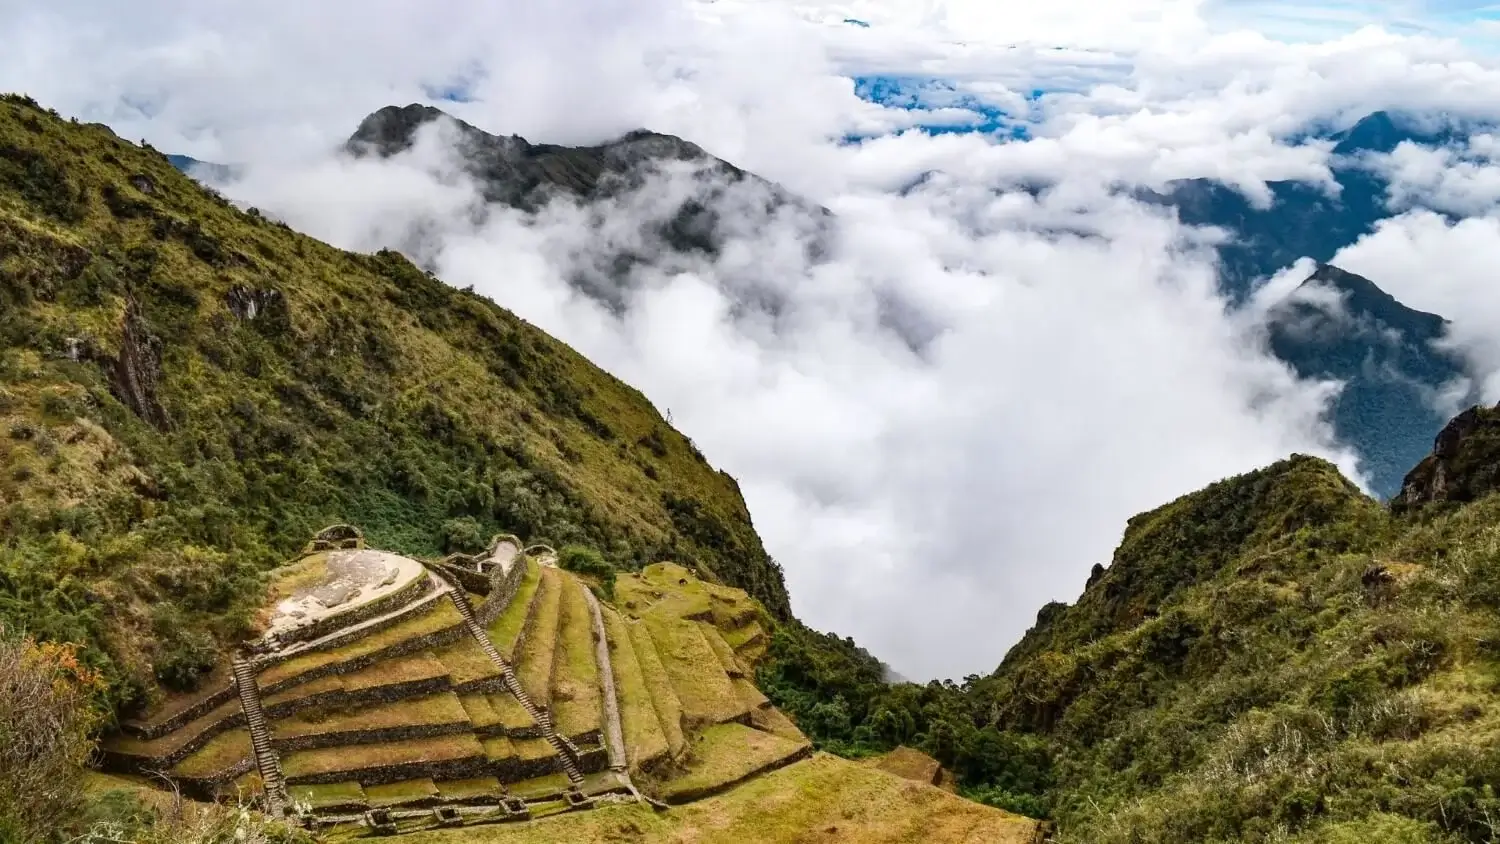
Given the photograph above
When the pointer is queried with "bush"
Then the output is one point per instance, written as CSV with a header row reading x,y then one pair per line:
x,y
586,561
45,726
463,535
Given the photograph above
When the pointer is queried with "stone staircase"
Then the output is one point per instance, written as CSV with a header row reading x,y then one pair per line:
x,y
567,752
260,737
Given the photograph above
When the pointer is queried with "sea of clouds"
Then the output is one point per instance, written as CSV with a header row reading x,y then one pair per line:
x,y
947,418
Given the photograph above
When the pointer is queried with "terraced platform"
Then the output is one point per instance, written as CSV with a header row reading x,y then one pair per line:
x,y
384,686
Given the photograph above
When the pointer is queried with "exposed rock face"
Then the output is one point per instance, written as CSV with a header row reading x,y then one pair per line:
x,y
1464,464
249,304
135,376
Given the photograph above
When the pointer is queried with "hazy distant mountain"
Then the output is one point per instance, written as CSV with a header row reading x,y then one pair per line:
x,y
1340,325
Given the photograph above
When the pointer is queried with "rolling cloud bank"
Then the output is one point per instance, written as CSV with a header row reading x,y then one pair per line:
x,y
942,404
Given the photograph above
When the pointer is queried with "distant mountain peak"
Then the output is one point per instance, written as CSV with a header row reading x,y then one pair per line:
x,y
1364,299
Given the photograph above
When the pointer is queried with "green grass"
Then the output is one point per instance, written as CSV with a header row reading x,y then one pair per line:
x,y
534,658
221,752
645,740
510,711
401,793
465,662
534,748
402,669
727,659
435,709
725,754
499,748
506,627
333,794
478,710
659,684
673,590
306,763
441,616
696,675
577,705
126,743
472,789
540,786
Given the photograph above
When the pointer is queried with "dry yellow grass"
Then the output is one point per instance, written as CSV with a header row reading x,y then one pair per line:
x,y
645,740
221,752
725,754
577,705
534,656
663,698
441,616
822,800
305,763
443,708
697,676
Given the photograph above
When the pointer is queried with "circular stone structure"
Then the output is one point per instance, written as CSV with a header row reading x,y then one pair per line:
x,y
332,583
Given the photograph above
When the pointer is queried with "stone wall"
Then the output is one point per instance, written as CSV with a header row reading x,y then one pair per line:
x,y
180,719
361,697
374,736
446,636
514,769
408,594
503,587
449,769
471,580
129,763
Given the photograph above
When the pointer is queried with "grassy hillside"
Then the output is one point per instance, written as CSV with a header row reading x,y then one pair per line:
x,y
187,391
1273,659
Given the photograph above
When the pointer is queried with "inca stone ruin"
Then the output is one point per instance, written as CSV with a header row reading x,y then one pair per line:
x,y
398,695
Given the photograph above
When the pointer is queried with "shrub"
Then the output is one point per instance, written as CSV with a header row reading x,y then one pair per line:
x,y
586,561
45,726
463,535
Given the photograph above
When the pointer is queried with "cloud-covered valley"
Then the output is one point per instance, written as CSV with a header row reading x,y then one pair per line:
x,y
943,416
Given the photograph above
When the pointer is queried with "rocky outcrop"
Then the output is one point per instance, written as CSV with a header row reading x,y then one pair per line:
x,y
135,376
1464,464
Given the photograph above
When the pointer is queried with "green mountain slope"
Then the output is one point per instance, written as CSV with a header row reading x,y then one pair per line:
x,y
188,391
1272,659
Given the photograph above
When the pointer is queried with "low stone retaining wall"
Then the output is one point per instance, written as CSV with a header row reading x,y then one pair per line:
x,y
446,636
360,697
408,594
214,786
414,610
502,590
449,769
181,719
516,769
313,741
469,579
132,763
719,788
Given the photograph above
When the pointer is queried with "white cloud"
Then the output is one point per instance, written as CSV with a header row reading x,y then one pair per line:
x,y
1444,267
1064,362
